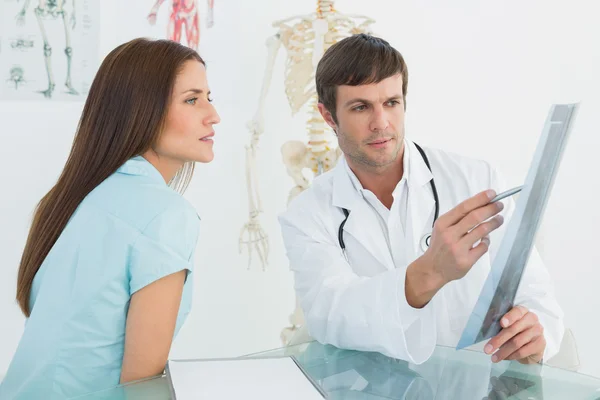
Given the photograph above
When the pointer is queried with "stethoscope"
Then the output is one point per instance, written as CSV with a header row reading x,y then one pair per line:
x,y
426,239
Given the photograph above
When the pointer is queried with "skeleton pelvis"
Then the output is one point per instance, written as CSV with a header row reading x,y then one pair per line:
x,y
297,156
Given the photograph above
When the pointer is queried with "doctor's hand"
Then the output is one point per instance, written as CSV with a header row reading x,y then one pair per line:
x,y
522,338
452,251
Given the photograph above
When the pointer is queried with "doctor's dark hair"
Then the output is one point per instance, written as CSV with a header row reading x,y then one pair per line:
x,y
123,117
360,59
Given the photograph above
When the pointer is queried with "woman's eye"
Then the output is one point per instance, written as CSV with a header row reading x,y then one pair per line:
x,y
210,99
192,101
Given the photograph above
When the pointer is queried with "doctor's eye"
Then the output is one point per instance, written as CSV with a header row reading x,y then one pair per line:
x,y
359,108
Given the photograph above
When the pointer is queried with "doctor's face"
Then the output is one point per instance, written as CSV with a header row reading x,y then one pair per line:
x,y
370,122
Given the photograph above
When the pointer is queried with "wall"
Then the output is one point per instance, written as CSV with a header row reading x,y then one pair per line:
x,y
482,78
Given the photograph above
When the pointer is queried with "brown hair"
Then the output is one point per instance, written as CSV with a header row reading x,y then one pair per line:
x,y
357,60
123,116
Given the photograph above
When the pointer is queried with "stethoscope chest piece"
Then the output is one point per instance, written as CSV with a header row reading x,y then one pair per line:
x,y
425,242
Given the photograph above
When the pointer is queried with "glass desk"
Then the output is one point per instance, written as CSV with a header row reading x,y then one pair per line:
x,y
448,374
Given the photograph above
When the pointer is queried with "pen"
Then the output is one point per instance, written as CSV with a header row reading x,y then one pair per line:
x,y
506,194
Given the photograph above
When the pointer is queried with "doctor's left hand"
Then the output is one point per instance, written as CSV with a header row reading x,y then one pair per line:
x,y
522,338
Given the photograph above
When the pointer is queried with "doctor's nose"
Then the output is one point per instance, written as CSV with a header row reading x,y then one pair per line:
x,y
379,122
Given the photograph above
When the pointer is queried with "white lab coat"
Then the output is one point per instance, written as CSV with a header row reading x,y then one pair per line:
x,y
361,304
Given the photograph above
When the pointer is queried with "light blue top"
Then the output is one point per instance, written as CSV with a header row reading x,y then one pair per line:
x,y
130,231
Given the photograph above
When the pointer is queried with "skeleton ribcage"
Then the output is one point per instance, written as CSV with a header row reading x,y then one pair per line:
x,y
298,40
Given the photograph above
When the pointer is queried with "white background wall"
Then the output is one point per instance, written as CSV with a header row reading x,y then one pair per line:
x,y
482,78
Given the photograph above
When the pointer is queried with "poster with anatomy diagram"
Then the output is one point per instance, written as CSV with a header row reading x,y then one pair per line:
x,y
48,49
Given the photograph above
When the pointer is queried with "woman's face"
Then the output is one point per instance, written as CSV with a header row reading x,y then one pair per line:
x,y
188,131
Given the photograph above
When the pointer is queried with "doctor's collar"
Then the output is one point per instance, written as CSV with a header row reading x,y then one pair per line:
x,y
406,173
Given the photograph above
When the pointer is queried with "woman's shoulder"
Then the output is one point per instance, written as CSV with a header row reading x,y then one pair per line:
x,y
139,201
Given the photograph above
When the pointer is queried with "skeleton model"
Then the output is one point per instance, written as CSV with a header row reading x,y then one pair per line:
x,y
52,9
184,12
305,38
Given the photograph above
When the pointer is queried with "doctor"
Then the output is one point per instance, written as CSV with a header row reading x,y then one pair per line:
x,y
367,274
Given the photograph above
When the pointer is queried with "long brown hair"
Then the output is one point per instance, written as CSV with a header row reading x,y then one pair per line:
x,y
123,117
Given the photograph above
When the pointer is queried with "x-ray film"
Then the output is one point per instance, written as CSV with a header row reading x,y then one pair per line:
x,y
499,291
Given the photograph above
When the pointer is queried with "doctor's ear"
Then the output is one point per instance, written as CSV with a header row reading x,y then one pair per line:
x,y
328,117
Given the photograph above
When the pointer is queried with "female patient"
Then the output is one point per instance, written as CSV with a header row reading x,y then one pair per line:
x,y
105,275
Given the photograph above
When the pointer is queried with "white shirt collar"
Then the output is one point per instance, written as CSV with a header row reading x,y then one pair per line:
x,y
406,165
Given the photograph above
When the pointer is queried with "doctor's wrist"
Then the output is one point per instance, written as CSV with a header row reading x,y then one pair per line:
x,y
421,283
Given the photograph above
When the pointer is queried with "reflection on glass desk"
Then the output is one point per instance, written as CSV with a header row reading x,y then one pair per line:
x,y
448,374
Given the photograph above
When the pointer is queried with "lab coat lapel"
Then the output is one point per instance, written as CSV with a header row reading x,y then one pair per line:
x,y
362,223
421,204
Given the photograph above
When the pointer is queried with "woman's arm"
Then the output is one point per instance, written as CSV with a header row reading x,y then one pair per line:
x,y
150,327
